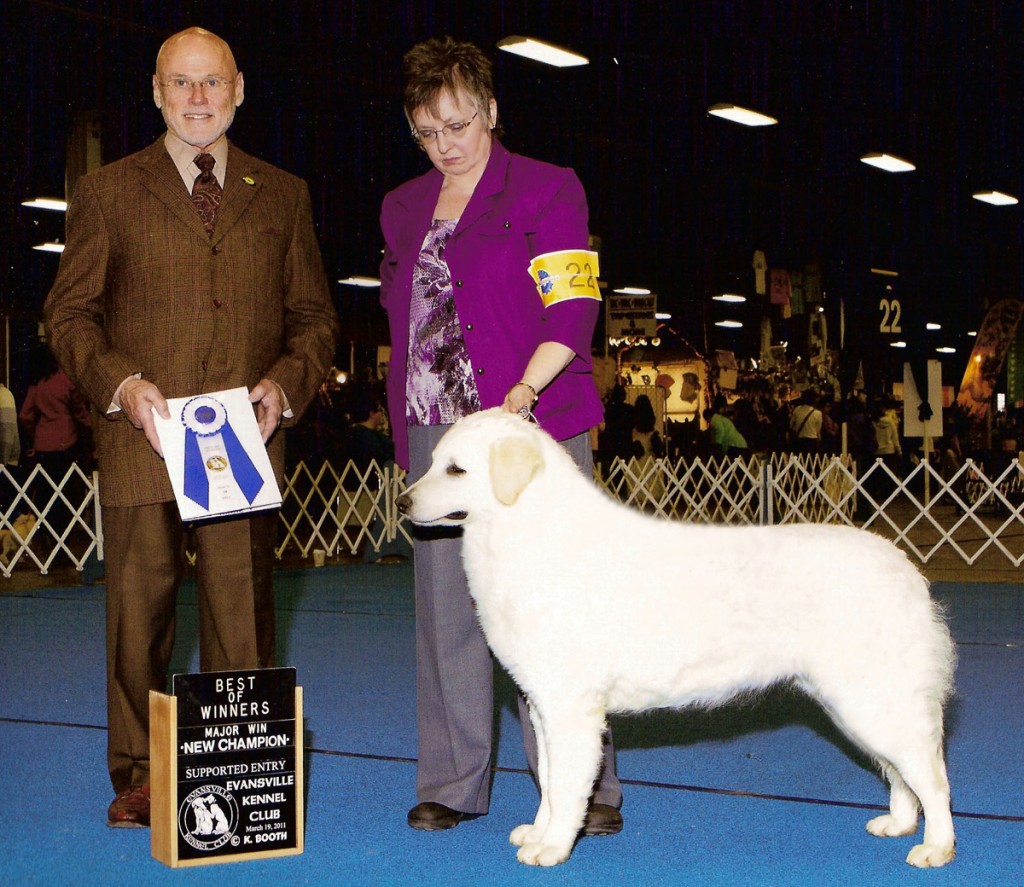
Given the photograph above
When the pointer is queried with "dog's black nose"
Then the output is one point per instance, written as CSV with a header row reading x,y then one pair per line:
x,y
403,502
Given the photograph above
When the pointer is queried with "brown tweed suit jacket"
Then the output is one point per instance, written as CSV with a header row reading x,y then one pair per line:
x,y
143,289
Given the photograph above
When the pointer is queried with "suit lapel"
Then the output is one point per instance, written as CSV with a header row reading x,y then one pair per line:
x,y
492,182
161,178
419,201
244,180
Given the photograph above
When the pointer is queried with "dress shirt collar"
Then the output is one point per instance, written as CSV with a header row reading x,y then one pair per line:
x,y
184,154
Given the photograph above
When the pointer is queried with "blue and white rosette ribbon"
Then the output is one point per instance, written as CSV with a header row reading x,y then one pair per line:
x,y
212,450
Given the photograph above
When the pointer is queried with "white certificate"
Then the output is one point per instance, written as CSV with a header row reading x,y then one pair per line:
x,y
215,455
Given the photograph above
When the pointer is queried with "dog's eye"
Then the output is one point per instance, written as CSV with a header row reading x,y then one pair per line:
x,y
453,470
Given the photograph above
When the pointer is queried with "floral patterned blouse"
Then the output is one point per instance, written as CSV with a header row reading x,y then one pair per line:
x,y
440,388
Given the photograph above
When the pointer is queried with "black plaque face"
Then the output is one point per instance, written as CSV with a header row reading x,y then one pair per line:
x,y
236,753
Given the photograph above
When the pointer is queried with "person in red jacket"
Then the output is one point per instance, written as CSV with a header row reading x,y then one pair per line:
x,y
55,419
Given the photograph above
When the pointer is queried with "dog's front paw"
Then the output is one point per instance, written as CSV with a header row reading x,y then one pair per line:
x,y
542,854
931,856
889,826
527,833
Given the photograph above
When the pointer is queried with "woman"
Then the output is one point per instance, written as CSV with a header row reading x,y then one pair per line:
x,y
881,482
58,429
805,424
646,446
887,438
472,328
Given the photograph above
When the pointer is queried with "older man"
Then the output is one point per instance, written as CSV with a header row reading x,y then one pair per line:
x,y
189,267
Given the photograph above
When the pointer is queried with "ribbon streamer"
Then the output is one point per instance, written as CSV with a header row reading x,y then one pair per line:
x,y
206,418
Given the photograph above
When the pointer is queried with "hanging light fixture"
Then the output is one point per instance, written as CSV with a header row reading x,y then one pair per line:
x,y
542,51
47,203
996,198
888,162
744,116
359,280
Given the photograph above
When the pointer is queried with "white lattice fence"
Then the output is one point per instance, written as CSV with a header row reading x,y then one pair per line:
x,y
45,519
968,515
341,511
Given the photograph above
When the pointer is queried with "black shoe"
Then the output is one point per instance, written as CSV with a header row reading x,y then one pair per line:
x,y
602,819
430,816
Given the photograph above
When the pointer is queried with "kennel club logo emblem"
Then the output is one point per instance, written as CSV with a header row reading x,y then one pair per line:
x,y
208,817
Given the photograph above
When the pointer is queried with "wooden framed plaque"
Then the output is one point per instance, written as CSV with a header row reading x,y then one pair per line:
x,y
226,774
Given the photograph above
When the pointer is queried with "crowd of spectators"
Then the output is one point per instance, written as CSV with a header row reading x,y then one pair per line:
x,y
346,422
764,417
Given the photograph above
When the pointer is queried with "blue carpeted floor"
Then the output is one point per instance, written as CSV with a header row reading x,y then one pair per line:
x,y
767,794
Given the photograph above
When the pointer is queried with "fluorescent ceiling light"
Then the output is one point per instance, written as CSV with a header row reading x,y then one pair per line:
x,y
729,324
50,247
357,280
899,344
661,315
729,297
996,198
741,115
540,51
888,162
945,349
933,326
632,291
47,203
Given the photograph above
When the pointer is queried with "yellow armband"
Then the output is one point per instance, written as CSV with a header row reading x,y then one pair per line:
x,y
566,274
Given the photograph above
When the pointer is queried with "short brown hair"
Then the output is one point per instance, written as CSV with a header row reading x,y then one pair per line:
x,y
443,64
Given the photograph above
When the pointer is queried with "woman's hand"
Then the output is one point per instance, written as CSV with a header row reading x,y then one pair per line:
x,y
521,399
545,364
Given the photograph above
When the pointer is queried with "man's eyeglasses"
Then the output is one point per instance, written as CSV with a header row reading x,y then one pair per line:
x,y
207,84
451,131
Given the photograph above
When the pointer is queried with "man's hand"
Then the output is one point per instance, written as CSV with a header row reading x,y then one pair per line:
x,y
269,400
138,399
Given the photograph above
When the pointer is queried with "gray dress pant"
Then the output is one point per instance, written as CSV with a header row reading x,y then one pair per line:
x,y
454,678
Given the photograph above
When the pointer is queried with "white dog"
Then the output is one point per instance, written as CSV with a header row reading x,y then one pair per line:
x,y
838,612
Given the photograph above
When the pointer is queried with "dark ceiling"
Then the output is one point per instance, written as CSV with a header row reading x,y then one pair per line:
x,y
681,200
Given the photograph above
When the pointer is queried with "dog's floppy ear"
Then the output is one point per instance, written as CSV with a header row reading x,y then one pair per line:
x,y
515,461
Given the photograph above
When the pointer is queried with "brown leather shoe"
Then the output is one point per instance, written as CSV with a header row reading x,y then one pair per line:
x,y
130,809
429,816
602,819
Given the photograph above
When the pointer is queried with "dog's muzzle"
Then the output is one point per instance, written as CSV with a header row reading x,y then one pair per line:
x,y
404,504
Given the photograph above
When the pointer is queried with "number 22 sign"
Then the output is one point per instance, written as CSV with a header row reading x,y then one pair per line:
x,y
892,312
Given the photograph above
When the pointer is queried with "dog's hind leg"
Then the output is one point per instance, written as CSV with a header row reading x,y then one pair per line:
x,y
903,808
924,771
907,740
571,735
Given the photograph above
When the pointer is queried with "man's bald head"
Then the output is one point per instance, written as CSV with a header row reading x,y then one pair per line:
x,y
194,33
197,86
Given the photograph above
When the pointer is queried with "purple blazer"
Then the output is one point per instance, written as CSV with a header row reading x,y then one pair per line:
x,y
520,209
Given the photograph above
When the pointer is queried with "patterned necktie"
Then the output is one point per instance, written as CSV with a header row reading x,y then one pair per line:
x,y
206,192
